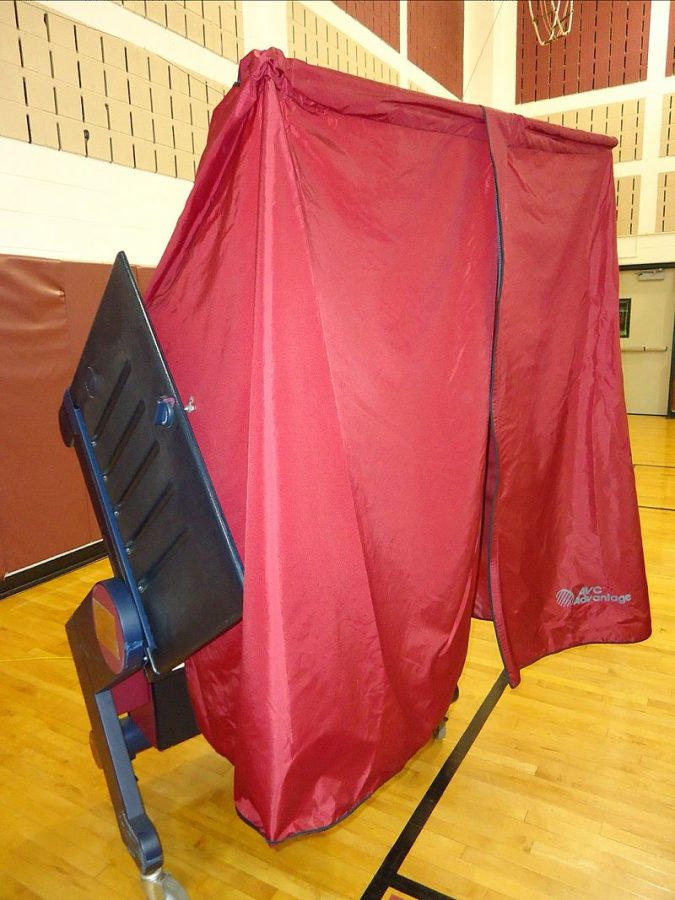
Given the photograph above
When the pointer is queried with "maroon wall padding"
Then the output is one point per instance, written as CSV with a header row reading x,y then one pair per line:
x,y
84,284
607,46
670,53
46,309
143,276
382,17
3,568
436,41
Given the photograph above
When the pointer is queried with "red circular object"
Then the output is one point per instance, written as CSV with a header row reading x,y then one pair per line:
x,y
108,628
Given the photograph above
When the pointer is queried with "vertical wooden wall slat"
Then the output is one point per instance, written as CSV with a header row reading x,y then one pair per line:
x,y
670,56
436,41
382,17
607,46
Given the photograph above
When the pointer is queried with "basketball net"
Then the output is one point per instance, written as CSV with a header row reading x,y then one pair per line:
x,y
551,19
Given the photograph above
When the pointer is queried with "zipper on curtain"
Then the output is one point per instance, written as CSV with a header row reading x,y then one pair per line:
x,y
493,444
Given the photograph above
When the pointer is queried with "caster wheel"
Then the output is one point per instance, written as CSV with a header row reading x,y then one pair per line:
x,y
439,730
161,885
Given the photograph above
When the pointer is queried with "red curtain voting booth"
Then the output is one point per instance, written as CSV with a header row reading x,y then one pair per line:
x,y
397,317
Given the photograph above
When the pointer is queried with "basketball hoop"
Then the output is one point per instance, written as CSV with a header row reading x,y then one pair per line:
x,y
551,19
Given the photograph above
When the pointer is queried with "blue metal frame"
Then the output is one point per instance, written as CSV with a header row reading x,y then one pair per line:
x,y
122,380
102,504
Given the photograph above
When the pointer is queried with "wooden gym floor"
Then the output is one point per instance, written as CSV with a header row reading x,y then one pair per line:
x,y
568,791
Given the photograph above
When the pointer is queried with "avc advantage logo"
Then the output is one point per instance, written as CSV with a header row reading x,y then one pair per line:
x,y
595,594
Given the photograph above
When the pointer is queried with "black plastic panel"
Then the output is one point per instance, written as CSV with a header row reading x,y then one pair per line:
x,y
180,551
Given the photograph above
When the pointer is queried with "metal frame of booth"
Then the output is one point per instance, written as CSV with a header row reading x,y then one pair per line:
x,y
178,578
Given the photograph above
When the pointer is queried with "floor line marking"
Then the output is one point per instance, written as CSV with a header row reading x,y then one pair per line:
x,y
388,871
653,465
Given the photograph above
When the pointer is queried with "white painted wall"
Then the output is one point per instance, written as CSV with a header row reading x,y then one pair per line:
x,y
491,52
57,204
265,25
63,206
479,50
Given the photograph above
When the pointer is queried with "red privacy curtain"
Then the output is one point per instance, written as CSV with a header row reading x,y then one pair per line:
x,y
565,560
329,298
